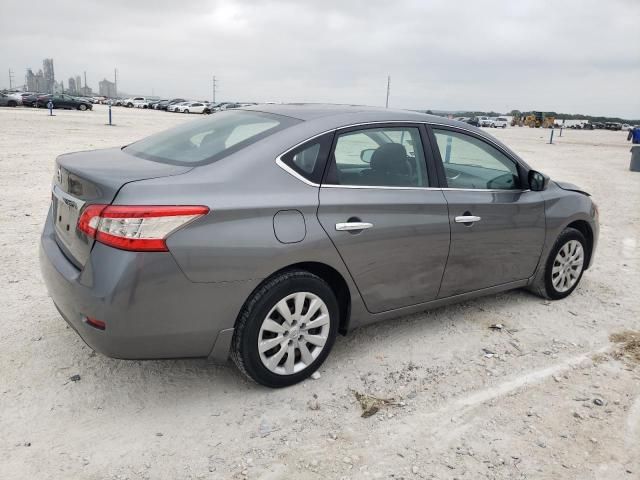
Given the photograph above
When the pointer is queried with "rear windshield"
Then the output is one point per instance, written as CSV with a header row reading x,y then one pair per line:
x,y
211,139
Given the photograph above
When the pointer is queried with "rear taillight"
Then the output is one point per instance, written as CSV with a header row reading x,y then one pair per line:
x,y
136,228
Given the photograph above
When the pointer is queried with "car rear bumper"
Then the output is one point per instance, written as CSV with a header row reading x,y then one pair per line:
x,y
150,308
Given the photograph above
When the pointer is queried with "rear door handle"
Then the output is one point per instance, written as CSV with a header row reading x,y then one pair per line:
x,y
468,219
349,226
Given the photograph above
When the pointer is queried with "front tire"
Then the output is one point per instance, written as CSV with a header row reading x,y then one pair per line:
x,y
82,107
564,266
286,329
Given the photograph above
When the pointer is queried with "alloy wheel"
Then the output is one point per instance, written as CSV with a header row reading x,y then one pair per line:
x,y
294,333
567,266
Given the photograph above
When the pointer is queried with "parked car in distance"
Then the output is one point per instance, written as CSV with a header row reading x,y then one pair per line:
x,y
473,121
130,102
160,104
174,107
500,122
143,102
194,107
174,102
484,121
263,232
64,101
9,100
613,126
30,100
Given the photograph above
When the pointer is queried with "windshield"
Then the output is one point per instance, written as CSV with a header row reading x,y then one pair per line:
x,y
204,141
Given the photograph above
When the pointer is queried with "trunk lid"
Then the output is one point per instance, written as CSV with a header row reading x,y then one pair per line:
x,y
94,177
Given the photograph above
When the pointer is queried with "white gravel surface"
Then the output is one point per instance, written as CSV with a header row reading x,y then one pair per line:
x,y
548,401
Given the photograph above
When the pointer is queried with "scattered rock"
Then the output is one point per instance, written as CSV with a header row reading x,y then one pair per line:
x,y
159,434
315,375
313,404
347,460
496,326
265,429
75,378
370,404
415,470
598,401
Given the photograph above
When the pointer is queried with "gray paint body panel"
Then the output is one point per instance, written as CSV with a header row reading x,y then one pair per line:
x,y
185,302
503,246
409,242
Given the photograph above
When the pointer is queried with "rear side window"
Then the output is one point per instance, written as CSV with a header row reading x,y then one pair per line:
x,y
211,139
385,157
308,160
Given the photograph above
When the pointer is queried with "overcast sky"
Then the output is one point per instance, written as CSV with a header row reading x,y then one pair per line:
x,y
570,56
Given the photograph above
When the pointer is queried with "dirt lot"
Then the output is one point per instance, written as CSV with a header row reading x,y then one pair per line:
x,y
548,396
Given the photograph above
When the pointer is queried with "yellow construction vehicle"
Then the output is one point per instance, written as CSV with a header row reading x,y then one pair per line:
x,y
538,120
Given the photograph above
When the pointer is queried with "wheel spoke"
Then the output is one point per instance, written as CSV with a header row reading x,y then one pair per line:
x,y
299,304
322,320
315,340
305,354
283,309
273,326
313,308
274,360
269,344
290,361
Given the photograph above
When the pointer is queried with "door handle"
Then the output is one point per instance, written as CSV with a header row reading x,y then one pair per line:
x,y
468,219
350,226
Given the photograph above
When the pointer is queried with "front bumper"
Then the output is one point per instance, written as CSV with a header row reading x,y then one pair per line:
x,y
150,308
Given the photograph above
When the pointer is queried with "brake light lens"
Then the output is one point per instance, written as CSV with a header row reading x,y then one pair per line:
x,y
134,227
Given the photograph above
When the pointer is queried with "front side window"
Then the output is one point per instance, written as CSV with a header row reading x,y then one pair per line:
x,y
208,140
388,157
470,163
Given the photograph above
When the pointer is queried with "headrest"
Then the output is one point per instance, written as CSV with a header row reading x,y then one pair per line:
x,y
390,157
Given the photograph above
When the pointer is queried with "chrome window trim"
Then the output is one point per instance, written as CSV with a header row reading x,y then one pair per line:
x,y
379,187
295,174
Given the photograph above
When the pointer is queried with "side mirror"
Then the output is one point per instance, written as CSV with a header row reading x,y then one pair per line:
x,y
538,181
365,155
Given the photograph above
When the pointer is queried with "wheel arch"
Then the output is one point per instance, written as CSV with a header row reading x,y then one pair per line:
x,y
334,279
583,227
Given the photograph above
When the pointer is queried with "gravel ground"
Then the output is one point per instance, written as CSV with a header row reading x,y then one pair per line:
x,y
548,396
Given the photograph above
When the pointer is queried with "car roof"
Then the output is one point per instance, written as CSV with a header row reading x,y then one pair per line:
x,y
350,113
319,118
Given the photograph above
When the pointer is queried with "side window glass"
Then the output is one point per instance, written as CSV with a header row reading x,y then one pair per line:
x,y
470,163
387,157
309,159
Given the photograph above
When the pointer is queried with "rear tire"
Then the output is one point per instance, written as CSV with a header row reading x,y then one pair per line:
x,y
307,338
564,267
185,111
82,107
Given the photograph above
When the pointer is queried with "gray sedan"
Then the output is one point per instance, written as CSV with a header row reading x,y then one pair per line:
x,y
261,233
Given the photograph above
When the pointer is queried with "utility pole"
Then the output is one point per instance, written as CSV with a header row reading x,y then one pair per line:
x,y
214,87
10,79
85,83
115,81
388,90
